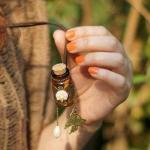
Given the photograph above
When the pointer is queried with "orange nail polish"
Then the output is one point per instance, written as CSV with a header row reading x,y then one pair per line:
x,y
92,70
71,46
70,35
79,59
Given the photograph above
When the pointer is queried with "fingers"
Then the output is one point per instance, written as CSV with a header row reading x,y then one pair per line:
x,y
101,59
94,43
59,38
114,79
85,31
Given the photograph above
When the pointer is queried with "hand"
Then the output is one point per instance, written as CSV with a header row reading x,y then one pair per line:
x,y
100,69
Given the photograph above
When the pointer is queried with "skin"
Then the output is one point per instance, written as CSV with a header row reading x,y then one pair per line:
x,y
100,90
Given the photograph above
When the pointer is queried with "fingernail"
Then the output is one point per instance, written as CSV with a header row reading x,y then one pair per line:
x,y
79,59
71,46
93,70
70,35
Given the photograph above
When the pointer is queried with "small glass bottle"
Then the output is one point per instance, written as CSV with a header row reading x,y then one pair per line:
x,y
62,85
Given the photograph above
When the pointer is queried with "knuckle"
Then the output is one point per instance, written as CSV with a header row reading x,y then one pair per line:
x,y
130,64
89,58
123,85
113,43
123,82
94,58
103,29
129,85
85,42
84,31
97,58
104,74
120,60
127,92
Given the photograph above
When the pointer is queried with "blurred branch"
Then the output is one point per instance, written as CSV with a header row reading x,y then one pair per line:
x,y
141,9
132,24
87,12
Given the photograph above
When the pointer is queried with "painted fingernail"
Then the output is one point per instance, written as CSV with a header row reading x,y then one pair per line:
x,y
71,46
93,70
70,35
79,59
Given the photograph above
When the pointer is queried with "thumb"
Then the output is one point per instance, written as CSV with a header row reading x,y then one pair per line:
x,y
59,38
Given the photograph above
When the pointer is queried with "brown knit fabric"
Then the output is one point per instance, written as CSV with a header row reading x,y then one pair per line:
x,y
12,100
24,73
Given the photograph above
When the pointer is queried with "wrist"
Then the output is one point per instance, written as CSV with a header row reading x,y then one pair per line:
x,y
88,126
92,128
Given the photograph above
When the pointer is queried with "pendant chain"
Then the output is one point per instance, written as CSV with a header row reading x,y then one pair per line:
x,y
57,115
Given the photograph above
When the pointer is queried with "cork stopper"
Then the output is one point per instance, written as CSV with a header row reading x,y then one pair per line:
x,y
59,69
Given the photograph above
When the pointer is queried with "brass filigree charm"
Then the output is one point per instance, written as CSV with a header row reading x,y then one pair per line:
x,y
74,121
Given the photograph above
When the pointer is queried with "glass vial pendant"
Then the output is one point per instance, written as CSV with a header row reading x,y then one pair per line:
x,y
62,85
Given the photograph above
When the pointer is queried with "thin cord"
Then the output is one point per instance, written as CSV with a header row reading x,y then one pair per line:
x,y
39,23
31,24
57,115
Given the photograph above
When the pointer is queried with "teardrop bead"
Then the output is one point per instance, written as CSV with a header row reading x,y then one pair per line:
x,y
57,132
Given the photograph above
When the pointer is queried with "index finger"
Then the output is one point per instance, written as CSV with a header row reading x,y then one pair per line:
x,y
84,31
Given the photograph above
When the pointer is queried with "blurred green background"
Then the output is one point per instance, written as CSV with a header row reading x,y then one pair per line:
x,y
128,128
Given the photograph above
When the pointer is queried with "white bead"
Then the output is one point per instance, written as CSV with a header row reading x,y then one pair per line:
x,y
61,95
57,132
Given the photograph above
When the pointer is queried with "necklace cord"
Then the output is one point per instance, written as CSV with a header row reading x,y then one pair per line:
x,y
38,23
